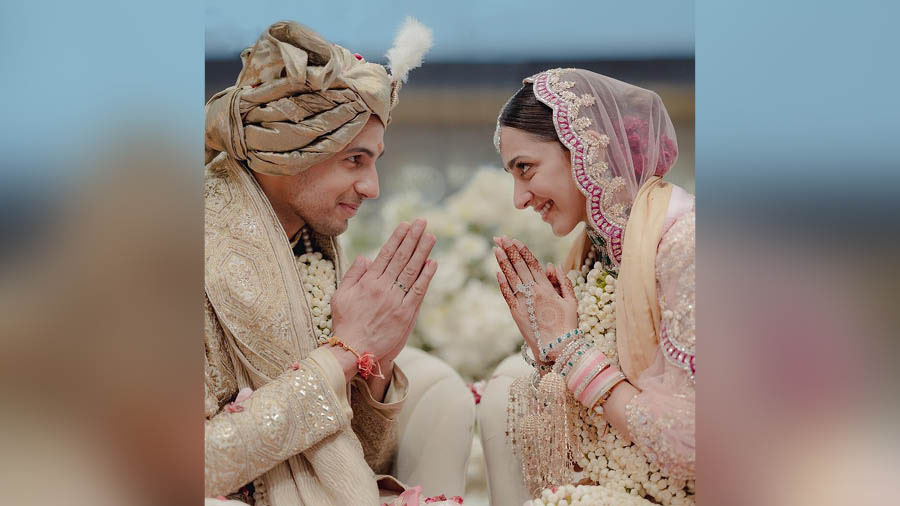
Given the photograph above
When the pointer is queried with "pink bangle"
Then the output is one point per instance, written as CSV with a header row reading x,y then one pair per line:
x,y
600,386
584,367
594,386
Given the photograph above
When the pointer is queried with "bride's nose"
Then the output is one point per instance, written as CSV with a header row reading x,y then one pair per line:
x,y
521,197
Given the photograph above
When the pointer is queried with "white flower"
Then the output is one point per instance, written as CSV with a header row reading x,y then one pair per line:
x,y
402,207
448,279
470,330
442,224
318,278
469,247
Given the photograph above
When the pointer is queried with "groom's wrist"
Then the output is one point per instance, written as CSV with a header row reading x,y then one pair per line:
x,y
378,386
387,369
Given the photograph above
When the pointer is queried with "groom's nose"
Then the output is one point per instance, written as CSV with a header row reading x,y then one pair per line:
x,y
367,185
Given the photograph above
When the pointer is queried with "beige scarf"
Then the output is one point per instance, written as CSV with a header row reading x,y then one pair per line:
x,y
637,305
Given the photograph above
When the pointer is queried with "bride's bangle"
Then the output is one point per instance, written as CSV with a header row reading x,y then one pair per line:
x,y
530,361
597,392
546,350
597,368
571,356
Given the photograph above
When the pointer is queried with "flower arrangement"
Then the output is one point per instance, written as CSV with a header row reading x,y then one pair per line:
x,y
586,495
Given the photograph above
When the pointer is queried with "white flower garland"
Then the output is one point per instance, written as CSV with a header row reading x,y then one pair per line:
x,y
587,495
319,281
608,459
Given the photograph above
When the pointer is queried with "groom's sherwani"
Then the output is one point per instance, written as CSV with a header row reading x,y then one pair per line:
x,y
302,437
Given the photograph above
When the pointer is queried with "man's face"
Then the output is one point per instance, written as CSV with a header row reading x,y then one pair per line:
x,y
328,194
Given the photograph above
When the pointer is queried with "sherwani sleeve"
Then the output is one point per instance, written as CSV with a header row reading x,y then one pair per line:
x,y
661,417
285,417
375,423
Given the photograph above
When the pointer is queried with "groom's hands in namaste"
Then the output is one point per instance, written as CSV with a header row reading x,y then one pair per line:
x,y
555,305
375,307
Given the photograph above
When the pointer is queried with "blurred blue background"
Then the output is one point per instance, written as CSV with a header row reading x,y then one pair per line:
x,y
500,30
442,129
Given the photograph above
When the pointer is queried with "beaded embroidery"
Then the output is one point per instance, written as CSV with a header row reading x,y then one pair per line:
x,y
677,334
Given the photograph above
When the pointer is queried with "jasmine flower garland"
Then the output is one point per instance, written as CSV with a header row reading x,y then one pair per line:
x,y
319,281
615,464
587,495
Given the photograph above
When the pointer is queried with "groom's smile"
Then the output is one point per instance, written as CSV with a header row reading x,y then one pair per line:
x,y
328,194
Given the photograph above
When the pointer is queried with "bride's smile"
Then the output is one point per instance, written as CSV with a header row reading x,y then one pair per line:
x,y
541,170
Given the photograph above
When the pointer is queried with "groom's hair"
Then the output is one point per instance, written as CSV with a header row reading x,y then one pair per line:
x,y
525,112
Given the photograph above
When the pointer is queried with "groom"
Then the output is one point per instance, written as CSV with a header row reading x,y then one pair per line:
x,y
307,396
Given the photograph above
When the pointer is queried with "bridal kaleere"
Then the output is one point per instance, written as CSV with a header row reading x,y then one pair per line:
x,y
607,415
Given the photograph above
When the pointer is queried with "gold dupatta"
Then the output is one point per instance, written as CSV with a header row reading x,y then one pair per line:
x,y
637,304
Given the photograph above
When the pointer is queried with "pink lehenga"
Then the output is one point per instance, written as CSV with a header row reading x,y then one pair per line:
x,y
633,272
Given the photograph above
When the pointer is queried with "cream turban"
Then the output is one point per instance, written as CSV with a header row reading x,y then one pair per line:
x,y
298,100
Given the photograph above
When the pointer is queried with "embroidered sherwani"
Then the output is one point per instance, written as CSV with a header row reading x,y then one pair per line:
x,y
303,436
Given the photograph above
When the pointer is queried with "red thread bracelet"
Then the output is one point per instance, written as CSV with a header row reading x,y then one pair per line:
x,y
366,363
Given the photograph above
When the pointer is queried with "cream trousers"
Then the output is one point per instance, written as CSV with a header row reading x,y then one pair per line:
x,y
506,485
435,426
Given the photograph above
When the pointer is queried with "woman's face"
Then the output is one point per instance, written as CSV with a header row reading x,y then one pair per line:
x,y
543,179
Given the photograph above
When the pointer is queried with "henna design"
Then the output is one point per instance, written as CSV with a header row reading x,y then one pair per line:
x,y
530,260
508,270
506,291
549,314
569,289
513,254
554,280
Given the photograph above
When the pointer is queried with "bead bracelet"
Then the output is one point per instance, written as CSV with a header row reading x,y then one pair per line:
x,y
545,351
530,361
571,356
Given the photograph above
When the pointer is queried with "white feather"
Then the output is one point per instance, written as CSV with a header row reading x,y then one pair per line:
x,y
412,42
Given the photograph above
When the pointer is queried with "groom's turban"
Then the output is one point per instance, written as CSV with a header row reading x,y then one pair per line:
x,y
298,100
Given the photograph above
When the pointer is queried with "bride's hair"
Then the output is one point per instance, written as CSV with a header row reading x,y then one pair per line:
x,y
525,112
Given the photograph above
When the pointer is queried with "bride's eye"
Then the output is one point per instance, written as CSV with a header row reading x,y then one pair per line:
x,y
524,167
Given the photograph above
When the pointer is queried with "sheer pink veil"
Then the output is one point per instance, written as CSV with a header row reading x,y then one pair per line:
x,y
618,136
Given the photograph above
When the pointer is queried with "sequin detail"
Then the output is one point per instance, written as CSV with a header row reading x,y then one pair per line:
x,y
675,267
281,419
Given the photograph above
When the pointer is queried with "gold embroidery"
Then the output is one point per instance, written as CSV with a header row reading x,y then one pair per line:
x,y
288,415
255,293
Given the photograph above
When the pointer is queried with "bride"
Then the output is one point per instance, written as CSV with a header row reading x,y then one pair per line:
x,y
607,415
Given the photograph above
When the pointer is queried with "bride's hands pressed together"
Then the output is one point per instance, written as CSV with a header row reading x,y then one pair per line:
x,y
555,305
